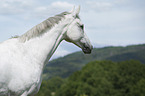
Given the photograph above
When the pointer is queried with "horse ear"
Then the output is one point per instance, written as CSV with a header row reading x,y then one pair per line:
x,y
73,9
77,11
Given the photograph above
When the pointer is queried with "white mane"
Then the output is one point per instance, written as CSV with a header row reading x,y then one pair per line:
x,y
40,28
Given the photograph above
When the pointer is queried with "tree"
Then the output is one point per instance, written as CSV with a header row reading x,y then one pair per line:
x,y
106,78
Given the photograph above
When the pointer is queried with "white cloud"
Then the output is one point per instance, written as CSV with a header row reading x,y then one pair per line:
x,y
100,6
8,7
33,8
52,9
122,1
62,5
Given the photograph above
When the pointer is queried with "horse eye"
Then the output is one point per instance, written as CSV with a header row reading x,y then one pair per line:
x,y
82,26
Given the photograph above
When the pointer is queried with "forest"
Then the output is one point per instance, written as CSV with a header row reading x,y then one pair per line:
x,y
118,72
99,78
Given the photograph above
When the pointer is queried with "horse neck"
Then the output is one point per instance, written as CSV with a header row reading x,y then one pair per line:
x,y
43,47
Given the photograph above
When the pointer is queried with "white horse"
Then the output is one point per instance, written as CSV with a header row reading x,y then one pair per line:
x,y
23,59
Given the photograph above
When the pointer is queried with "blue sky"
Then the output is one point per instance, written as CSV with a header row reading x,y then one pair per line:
x,y
107,22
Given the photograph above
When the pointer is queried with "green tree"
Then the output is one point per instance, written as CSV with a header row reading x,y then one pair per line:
x,y
138,89
106,78
50,86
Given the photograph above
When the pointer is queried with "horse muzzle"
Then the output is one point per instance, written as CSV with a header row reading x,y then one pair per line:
x,y
87,50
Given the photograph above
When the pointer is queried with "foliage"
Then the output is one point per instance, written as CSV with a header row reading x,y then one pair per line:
x,y
106,78
100,78
50,86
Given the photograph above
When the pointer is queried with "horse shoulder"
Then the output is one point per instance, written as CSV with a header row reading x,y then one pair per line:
x,y
17,70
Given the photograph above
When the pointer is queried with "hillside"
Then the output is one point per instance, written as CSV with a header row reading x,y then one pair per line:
x,y
66,65
99,78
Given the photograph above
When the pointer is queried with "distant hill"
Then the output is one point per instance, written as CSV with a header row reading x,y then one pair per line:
x,y
64,66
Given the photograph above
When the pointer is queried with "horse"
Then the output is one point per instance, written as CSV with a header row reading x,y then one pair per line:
x,y
22,59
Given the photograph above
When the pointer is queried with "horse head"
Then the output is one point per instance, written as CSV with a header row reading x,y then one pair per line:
x,y
75,33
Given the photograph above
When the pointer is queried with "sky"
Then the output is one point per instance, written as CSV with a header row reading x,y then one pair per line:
x,y
107,22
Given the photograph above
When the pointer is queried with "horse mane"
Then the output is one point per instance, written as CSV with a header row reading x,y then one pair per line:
x,y
40,28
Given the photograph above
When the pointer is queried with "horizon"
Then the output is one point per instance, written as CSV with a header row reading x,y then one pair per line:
x,y
100,47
